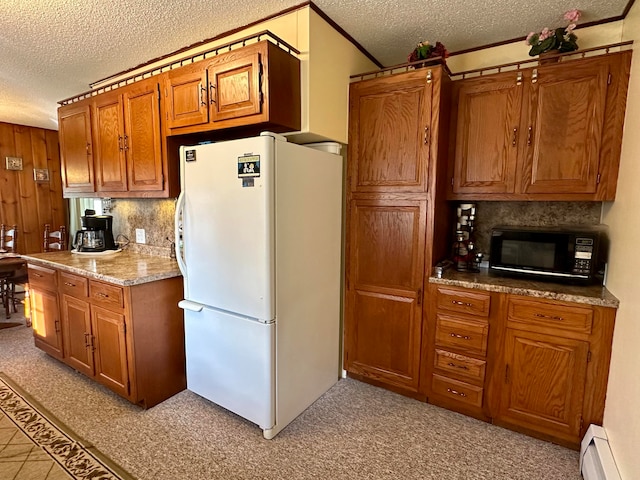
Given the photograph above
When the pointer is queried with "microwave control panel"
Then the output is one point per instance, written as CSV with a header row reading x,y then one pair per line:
x,y
583,255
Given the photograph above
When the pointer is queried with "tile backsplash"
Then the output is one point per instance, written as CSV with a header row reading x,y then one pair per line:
x,y
155,216
490,214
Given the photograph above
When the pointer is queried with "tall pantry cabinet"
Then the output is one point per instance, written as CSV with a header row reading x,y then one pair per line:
x,y
397,140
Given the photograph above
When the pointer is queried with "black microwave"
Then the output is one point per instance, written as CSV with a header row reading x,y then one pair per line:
x,y
571,253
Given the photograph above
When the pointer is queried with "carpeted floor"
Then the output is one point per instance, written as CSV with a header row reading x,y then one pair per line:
x,y
355,431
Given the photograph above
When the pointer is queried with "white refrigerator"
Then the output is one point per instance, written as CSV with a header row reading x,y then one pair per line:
x,y
258,232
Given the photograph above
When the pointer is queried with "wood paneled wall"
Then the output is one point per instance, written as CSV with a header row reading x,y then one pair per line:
x,y
23,201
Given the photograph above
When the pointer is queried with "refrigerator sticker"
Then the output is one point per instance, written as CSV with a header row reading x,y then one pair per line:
x,y
190,156
247,182
249,166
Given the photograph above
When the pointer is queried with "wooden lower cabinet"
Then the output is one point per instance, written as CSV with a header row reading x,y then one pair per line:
x,y
129,339
45,314
533,365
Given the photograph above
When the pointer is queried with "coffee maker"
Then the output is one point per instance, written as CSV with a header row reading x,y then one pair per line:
x,y
96,234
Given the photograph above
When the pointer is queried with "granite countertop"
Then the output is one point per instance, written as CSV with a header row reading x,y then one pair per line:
x,y
124,268
588,294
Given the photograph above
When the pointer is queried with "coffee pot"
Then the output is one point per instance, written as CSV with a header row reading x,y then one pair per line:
x,y
96,234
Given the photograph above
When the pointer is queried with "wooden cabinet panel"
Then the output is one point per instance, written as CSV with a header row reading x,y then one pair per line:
x,y
544,380
106,295
458,391
387,239
384,314
461,366
466,336
73,285
463,301
76,149
76,320
549,316
142,141
110,349
566,116
187,101
45,321
488,123
390,134
234,85
109,142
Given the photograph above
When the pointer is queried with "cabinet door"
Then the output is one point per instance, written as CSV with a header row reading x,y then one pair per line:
x,y
109,143
384,290
390,133
76,320
565,122
544,378
142,137
110,349
488,124
234,86
187,98
45,321
76,149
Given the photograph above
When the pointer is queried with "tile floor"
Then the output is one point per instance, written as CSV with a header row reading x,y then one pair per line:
x,y
21,459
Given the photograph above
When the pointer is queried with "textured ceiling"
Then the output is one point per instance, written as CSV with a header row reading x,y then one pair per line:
x,y
53,49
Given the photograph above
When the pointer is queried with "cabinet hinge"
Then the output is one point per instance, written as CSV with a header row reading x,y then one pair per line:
x,y
261,98
128,385
588,356
598,179
124,328
159,95
452,181
609,79
419,296
506,374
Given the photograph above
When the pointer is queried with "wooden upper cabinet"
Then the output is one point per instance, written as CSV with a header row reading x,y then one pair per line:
x,y
76,149
565,121
109,143
142,140
187,99
234,85
488,120
390,133
547,133
255,84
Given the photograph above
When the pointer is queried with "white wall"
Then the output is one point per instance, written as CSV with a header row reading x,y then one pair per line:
x,y
622,410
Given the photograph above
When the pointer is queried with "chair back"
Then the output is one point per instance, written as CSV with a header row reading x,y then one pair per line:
x,y
9,238
54,241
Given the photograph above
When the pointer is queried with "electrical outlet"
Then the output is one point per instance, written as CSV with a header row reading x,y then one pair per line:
x,y
140,236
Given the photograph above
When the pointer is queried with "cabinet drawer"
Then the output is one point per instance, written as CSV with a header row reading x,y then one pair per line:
x,y
557,316
463,301
455,390
467,336
74,285
460,365
42,277
106,295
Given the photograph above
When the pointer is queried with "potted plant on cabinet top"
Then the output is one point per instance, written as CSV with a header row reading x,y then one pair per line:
x,y
424,51
554,41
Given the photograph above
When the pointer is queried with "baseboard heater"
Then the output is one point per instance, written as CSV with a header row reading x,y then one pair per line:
x,y
596,459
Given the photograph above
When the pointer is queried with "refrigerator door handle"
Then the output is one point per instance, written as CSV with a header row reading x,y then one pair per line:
x,y
192,306
179,229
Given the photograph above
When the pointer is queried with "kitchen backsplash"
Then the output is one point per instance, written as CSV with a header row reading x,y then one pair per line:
x,y
155,216
490,214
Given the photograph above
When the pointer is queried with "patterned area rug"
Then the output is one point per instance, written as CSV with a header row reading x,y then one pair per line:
x,y
74,456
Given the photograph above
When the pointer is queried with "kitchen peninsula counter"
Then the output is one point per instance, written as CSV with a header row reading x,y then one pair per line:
x,y
124,268
585,294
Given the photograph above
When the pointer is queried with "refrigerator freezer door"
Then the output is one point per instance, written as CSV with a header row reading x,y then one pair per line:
x,y
231,361
228,231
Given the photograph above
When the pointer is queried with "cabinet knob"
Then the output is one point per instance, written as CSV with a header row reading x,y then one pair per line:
x,y
463,304
457,335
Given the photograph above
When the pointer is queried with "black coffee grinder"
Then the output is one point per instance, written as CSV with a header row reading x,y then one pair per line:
x,y
96,234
